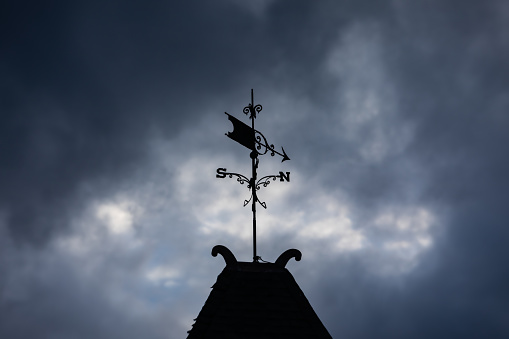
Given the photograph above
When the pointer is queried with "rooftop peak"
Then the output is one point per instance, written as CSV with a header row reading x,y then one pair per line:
x,y
257,300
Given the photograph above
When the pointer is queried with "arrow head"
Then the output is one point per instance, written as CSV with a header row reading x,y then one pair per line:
x,y
285,157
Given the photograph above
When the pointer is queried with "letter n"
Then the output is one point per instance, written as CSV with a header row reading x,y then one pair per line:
x,y
283,177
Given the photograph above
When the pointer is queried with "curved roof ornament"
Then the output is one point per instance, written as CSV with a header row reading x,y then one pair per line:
x,y
287,255
228,256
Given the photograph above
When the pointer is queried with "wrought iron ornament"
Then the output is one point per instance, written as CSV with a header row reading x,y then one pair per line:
x,y
255,141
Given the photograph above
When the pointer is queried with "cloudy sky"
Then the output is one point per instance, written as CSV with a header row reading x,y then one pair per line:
x,y
394,114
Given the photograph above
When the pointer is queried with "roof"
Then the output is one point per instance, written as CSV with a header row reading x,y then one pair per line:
x,y
257,300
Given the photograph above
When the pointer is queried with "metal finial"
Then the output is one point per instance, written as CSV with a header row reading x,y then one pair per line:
x,y
255,141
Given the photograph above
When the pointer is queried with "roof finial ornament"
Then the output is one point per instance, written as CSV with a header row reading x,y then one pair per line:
x,y
255,141
228,256
285,257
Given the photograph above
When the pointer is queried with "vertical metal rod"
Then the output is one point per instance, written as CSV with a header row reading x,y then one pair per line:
x,y
253,178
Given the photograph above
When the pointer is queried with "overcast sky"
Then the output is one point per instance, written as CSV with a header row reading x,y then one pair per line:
x,y
395,115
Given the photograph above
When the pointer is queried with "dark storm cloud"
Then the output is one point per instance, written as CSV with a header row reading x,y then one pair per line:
x,y
448,62
82,85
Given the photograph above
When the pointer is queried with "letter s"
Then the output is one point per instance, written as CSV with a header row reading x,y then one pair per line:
x,y
221,173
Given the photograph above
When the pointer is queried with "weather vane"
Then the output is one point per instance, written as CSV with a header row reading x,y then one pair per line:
x,y
257,143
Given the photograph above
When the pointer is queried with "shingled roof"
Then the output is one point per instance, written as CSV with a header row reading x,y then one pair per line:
x,y
257,300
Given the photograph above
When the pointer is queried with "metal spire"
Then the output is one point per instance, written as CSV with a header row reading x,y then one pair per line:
x,y
254,140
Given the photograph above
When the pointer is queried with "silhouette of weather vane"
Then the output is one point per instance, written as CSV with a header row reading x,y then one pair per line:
x,y
254,140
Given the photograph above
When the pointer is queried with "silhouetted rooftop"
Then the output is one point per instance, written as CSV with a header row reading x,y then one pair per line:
x,y
257,300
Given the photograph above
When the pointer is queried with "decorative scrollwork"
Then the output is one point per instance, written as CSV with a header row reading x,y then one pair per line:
x,y
250,109
262,182
241,179
265,181
261,146
247,201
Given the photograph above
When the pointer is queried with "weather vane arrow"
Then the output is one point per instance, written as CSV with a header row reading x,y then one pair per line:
x,y
254,140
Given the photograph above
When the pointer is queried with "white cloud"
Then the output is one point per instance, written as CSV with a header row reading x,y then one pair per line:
x,y
329,221
402,234
117,217
166,276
